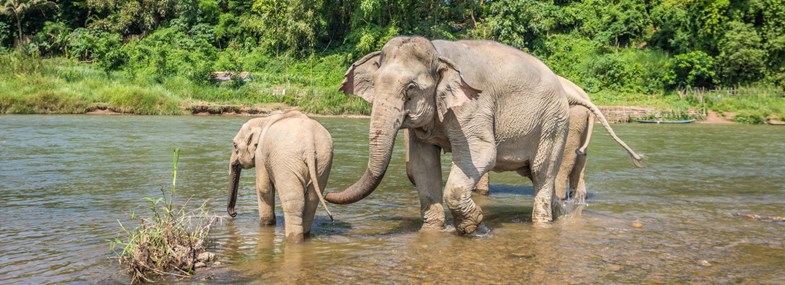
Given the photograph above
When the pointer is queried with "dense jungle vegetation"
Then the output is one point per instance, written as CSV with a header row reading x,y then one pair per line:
x,y
156,56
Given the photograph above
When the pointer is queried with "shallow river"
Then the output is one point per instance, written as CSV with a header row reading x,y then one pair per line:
x,y
65,181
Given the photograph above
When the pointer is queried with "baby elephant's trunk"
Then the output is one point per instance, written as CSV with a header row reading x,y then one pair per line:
x,y
234,180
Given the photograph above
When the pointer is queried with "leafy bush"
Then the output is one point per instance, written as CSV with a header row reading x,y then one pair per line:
x,y
371,38
693,69
742,58
170,52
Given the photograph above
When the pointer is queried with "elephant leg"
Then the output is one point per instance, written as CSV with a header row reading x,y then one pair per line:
x,y
466,215
467,168
560,185
544,169
569,157
483,186
292,193
426,169
311,202
265,195
577,182
565,171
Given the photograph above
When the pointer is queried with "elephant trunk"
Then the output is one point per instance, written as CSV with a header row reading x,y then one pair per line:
x,y
385,120
234,180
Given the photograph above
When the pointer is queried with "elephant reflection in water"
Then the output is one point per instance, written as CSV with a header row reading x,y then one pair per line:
x,y
574,158
292,154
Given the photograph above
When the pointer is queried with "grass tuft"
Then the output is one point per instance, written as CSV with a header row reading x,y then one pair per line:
x,y
167,242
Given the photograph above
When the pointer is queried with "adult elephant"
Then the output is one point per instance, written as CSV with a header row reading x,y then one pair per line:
x,y
434,89
575,157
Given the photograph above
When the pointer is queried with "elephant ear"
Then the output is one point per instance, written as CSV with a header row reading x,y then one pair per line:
x,y
252,138
358,80
452,91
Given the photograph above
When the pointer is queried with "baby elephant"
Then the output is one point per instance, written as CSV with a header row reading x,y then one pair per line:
x,y
293,155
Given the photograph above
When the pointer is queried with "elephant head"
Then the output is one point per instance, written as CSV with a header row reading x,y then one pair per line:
x,y
244,147
410,86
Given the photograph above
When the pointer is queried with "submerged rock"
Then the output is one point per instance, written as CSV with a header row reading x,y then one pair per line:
x,y
206,256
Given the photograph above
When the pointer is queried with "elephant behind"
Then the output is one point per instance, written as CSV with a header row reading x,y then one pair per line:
x,y
575,157
292,154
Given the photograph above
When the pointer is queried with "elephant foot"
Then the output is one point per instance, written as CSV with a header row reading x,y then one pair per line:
x,y
557,209
432,226
482,231
296,237
267,221
433,217
467,223
542,210
580,197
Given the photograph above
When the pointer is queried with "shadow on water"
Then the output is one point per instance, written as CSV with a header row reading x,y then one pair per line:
x,y
510,189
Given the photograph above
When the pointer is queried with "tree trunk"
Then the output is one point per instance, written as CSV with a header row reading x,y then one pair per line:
x,y
19,29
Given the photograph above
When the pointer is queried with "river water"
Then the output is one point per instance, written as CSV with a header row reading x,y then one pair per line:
x,y
66,181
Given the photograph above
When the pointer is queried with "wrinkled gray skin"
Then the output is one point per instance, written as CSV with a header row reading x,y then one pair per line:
x,y
574,160
290,152
575,156
493,106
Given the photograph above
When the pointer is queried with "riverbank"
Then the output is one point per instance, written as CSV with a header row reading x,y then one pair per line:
x,y
614,114
61,86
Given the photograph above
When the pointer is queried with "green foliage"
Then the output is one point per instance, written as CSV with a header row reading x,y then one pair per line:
x,y
742,58
751,117
621,51
617,23
52,39
522,24
143,101
332,102
170,52
19,8
610,71
132,16
5,32
694,69
372,38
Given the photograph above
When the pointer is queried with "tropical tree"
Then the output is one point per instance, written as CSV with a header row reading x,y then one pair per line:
x,y
18,8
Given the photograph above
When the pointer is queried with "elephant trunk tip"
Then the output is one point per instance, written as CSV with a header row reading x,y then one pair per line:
x,y
231,212
335,198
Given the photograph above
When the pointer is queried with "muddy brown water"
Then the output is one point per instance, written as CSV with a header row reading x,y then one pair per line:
x,y
65,181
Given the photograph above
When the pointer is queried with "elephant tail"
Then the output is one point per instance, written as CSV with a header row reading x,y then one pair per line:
x,y
574,100
589,129
310,156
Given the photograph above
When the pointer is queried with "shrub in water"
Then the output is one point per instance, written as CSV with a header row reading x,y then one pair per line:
x,y
167,242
